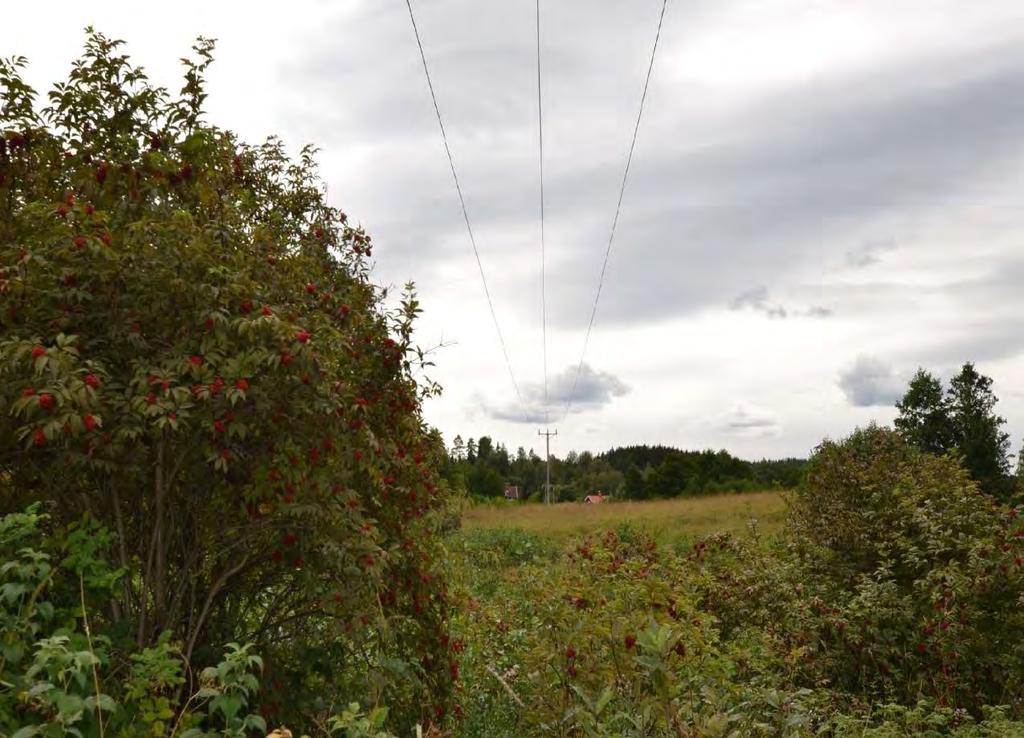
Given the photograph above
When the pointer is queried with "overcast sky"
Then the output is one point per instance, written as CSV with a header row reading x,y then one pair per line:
x,y
825,194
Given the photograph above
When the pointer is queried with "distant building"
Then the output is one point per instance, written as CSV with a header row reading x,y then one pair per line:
x,y
511,492
595,498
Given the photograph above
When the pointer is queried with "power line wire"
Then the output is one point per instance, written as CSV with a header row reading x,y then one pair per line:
x,y
543,258
618,209
465,213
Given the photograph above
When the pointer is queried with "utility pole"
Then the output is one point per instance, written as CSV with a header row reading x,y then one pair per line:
x,y
547,447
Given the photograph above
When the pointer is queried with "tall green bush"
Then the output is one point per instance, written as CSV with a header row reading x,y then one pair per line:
x,y
193,354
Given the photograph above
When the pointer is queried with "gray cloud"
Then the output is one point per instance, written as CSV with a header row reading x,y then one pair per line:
x,y
757,299
715,202
868,253
593,390
743,420
818,311
869,382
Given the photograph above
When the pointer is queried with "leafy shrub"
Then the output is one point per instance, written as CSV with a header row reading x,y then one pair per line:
x,y
193,355
505,546
915,576
61,678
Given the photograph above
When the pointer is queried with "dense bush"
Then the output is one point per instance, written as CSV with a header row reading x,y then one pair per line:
x,y
193,356
918,574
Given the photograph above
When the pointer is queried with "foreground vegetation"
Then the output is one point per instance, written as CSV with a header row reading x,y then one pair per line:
x,y
890,604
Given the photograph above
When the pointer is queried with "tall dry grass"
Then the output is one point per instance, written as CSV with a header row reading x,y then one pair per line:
x,y
692,516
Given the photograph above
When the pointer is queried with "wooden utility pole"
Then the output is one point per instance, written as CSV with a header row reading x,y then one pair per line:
x,y
547,448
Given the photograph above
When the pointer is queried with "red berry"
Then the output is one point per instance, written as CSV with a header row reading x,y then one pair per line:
x,y
286,358
242,384
136,328
38,351
151,399
245,307
196,360
344,310
92,380
570,653
302,336
89,422
80,243
629,641
39,438
216,386
266,311
90,208
225,454
311,288
46,401
218,425
105,238
70,280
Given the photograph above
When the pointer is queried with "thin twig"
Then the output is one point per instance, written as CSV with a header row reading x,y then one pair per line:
x,y
501,680
88,640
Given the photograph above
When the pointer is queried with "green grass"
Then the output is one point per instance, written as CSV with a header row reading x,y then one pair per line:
x,y
666,520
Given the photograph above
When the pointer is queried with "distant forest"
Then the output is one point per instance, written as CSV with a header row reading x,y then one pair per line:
x,y
484,467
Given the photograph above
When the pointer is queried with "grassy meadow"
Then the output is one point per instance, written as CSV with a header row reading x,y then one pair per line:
x,y
665,520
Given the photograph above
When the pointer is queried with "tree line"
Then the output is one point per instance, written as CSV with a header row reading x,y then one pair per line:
x,y
483,468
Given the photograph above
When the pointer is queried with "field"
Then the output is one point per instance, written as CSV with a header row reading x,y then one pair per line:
x,y
665,520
